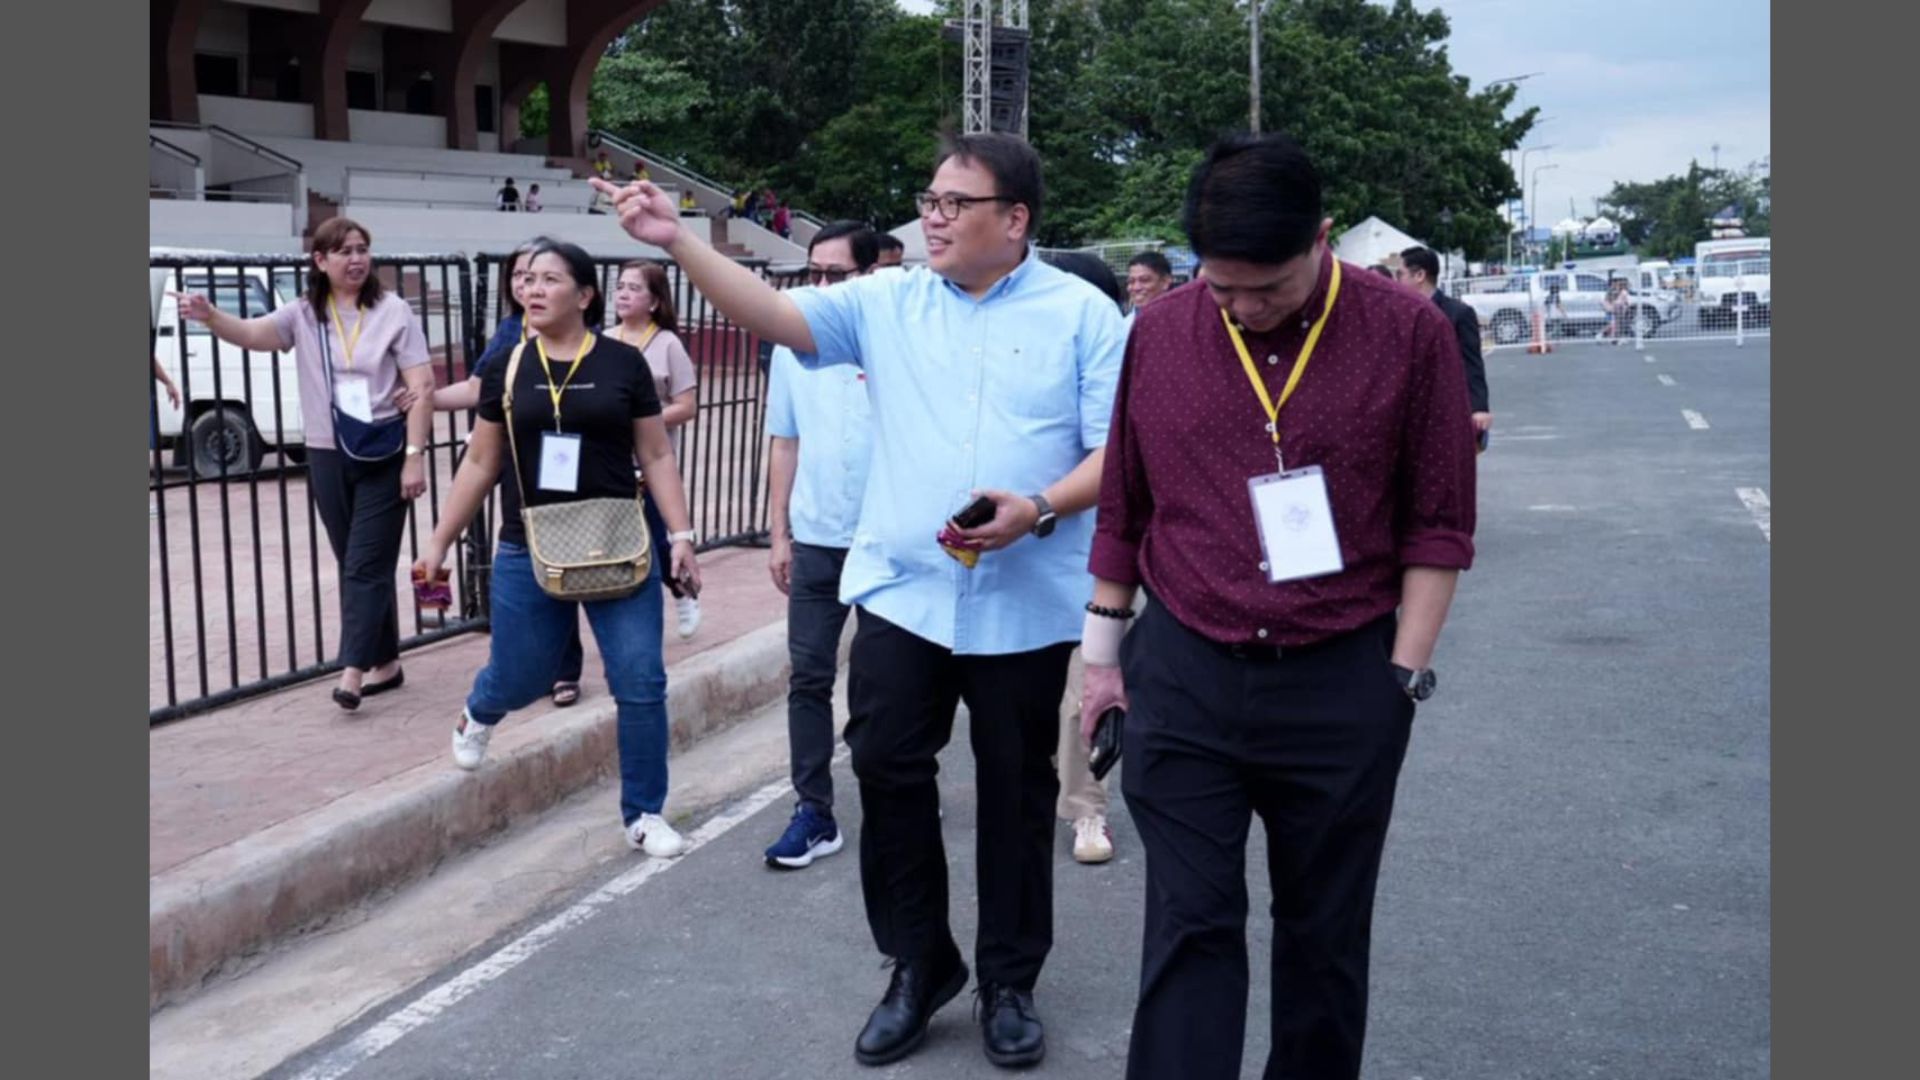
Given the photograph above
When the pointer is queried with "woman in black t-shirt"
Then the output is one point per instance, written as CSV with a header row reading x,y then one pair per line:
x,y
584,408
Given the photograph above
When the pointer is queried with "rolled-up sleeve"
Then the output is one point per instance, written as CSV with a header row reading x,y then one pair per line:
x,y
1435,511
1126,504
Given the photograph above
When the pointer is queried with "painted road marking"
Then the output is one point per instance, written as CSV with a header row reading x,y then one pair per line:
x,y
1694,420
1666,380
1760,507
433,1004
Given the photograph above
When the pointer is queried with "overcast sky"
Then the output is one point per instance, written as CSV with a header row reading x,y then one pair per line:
x,y
1631,89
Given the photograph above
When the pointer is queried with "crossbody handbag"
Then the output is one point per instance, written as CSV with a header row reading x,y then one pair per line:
x,y
361,440
589,549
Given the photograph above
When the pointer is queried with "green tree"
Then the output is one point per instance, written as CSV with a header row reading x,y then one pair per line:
x,y
1665,218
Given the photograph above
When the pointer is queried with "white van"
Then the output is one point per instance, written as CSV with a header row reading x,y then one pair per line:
x,y
1735,274
250,404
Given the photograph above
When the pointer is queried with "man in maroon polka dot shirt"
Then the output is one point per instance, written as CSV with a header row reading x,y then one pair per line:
x,y
1277,663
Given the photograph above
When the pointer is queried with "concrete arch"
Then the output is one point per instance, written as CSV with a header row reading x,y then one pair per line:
x,y
591,27
172,93
474,23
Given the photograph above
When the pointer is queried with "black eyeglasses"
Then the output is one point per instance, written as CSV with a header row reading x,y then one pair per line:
x,y
827,275
950,204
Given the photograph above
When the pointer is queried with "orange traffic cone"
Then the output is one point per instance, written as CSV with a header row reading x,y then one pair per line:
x,y
1539,344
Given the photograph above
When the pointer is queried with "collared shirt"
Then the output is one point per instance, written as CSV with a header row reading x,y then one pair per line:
x,y
1381,408
1011,391
828,412
387,342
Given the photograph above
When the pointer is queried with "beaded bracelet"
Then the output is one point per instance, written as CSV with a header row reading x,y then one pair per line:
x,y
1108,612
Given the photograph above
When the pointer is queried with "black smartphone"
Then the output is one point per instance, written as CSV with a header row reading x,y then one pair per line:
x,y
1483,438
975,514
1104,753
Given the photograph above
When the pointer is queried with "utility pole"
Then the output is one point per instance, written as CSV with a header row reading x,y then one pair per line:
x,y
1253,82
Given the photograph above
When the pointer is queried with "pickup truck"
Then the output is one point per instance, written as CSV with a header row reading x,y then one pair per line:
x,y
1506,304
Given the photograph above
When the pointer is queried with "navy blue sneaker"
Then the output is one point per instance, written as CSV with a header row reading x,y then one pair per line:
x,y
810,835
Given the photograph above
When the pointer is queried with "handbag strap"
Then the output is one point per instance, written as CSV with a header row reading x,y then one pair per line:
x,y
506,413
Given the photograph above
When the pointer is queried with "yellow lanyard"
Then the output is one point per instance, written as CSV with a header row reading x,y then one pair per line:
x,y
1271,406
646,339
347,343
553,391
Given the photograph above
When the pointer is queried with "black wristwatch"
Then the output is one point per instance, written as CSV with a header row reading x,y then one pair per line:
x,y
1418,684
1048,519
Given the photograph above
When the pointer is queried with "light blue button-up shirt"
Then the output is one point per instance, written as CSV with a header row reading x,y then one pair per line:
x,y
1011,391
827,411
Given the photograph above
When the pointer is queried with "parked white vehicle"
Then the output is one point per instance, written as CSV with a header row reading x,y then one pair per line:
x,y
1735,275
1570,302
248,404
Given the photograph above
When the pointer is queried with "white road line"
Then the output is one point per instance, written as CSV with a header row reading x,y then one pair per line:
x,y
1760,507
430,1006
1694,420
1666,380
1649,358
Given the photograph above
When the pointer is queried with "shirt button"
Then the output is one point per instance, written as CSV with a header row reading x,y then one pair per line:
x,y
1272,359
1263,569
1262,632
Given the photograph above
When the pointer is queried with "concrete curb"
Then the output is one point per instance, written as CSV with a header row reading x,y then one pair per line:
x,y
240,899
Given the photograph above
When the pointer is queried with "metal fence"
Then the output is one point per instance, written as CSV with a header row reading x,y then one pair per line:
x,y
1538,310
242,600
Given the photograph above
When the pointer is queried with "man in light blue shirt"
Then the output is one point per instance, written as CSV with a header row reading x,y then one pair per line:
x,y
992,375
822,431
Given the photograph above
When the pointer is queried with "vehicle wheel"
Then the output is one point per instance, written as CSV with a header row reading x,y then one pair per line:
x,y
1646,321
1508,328
223,438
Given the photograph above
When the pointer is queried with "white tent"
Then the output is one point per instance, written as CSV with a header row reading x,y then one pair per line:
x,y
913,242
1371,242
1568,227
1602,231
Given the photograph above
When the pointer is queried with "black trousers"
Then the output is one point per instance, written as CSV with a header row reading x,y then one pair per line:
x,y
815,618
359,503
903,691
1312,741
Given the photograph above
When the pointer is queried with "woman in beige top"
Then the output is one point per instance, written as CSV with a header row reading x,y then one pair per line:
x,y
355,346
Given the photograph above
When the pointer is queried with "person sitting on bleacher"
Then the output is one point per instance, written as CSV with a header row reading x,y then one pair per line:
x,y
603,166
509,197
533,198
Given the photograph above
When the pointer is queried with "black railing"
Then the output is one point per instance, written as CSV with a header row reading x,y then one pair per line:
x,y
242,602
242,605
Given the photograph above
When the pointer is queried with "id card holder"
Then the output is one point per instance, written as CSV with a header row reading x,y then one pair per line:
x,y
350,393
1295,521
559,462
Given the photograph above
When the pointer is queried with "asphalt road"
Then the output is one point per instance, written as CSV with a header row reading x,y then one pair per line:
x,y
1576,884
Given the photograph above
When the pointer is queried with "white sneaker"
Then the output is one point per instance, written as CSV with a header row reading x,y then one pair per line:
x,y
1092,840
688,609
651,833
470,741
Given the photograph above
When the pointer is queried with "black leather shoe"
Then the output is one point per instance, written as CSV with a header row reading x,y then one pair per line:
x,y
899,1023
1010,1029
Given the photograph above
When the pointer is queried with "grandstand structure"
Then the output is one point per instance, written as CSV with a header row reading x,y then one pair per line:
x,y
269,116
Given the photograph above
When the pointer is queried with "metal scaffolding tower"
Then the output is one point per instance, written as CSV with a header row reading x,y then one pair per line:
x,y
994,66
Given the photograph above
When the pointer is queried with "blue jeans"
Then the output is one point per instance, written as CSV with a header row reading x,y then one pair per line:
x,y
574,660
530,632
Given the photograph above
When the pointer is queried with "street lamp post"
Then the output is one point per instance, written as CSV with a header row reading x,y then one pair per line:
x,y
1525,210
1534,200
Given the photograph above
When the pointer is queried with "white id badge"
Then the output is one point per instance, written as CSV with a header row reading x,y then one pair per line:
x,y
1295,520
559,462
350,393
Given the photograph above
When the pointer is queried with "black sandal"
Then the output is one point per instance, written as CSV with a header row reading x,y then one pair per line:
x,y
345,698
